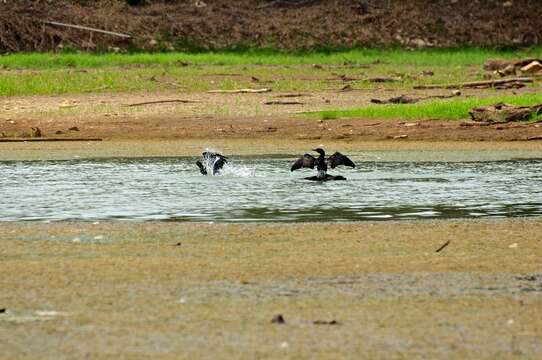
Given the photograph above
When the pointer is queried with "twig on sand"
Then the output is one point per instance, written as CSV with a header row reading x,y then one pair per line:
x,y
80,27
477,84
163,102
291,95
443,246
278,102
241,91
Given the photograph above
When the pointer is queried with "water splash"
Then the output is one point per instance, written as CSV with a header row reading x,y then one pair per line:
x,y
229,169
233,170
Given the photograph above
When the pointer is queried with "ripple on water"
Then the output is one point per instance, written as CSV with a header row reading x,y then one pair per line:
x,y
252,189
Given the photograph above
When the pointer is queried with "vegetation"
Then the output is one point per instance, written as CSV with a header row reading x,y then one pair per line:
x,y
70,73
396,57
437,110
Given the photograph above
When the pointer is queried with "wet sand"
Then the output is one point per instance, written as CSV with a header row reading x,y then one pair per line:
x,y
391,150
171,290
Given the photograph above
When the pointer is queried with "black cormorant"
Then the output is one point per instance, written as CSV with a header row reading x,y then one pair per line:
x,y
321,163
212,160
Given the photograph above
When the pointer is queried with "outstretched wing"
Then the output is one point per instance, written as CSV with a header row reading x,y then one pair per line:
x,y
339,159
202,169
219,163
306,160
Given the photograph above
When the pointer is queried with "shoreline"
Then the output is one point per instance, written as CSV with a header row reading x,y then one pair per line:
x,y
387,150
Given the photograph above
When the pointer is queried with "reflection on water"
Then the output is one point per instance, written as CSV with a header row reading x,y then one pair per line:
x,y
253,189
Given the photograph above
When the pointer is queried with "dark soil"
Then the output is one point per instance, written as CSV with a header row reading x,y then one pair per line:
x,y
230,24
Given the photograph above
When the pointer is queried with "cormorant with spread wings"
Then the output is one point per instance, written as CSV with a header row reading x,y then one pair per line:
x,y
321,163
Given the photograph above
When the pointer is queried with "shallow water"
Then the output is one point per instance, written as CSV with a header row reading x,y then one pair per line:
x,y
263,189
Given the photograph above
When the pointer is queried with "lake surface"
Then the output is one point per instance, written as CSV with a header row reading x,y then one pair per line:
x,y
262,189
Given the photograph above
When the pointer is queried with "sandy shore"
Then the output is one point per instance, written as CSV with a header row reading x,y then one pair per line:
x,y
391,150
173,290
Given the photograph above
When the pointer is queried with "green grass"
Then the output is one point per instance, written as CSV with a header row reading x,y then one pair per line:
x,y
70,73
436,110
435,57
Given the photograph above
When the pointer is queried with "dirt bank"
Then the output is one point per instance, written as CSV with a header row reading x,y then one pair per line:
x,y
231,116
225,24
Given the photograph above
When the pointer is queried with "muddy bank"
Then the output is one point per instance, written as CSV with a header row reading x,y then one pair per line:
x,y
224,24
235,116
174,290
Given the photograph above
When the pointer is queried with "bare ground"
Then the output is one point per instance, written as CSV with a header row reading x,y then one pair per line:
x,y
234,116
165,290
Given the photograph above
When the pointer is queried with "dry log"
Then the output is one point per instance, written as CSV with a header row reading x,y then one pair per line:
x,y
477,84
532,68
496,65
503,113
278,102
162,102
381,79
291,95
241,91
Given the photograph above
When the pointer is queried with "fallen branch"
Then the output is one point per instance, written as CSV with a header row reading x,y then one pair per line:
x,y
381,79
88,29
162,102
475,84
443,246
291,95
241,91
48,139
278,102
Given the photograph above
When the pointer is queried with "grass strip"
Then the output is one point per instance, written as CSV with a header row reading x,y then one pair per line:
x,y
436,110
397,56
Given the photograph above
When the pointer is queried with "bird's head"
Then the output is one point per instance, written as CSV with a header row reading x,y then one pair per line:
x,y
319,151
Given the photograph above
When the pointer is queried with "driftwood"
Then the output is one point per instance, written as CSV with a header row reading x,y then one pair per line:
x,y
503,113
125,36
162,102
493,64
241,91
291,95
524,66
381,79
478,84
278,102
